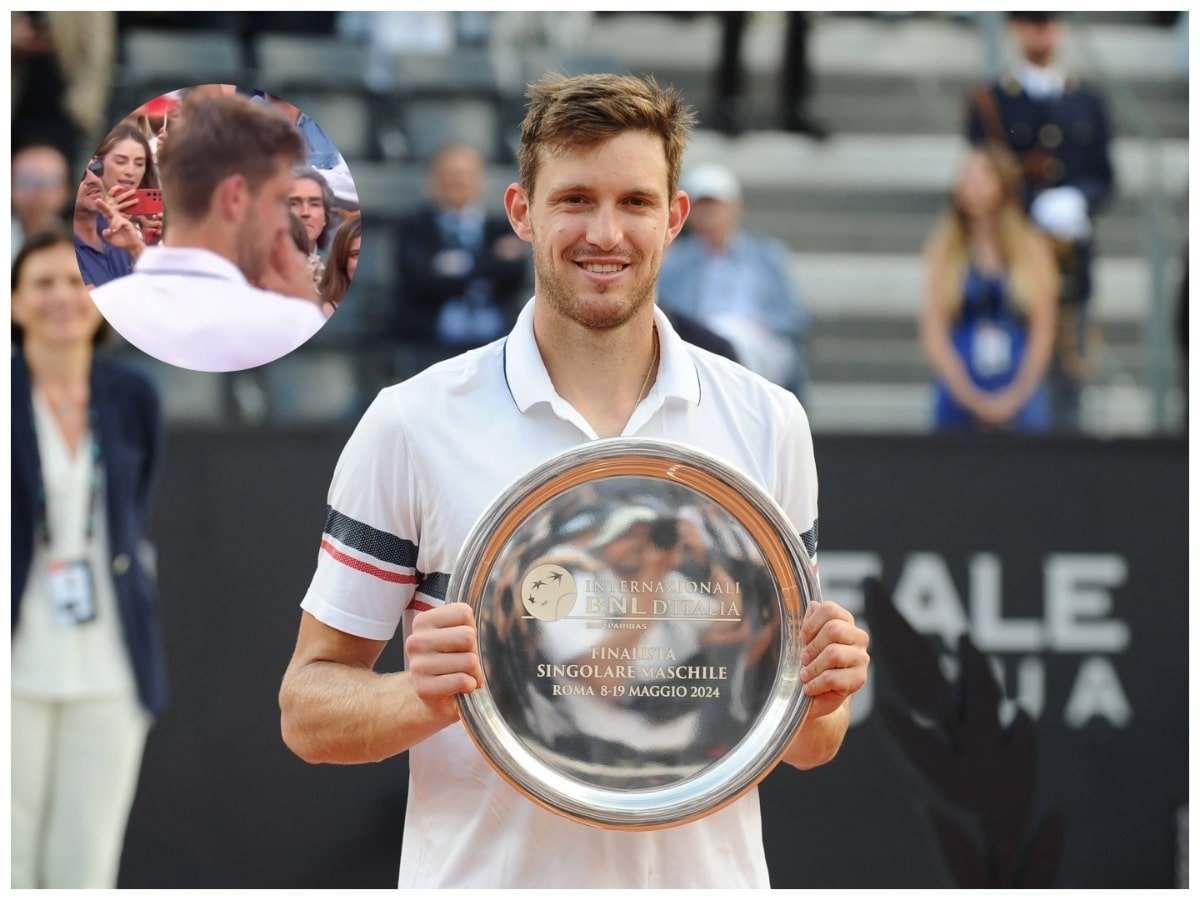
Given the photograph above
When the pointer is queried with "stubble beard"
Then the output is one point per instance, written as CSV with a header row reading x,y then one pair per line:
x,y
593,315
253,254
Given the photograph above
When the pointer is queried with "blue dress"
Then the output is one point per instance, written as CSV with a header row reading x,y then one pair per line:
x,y
991,339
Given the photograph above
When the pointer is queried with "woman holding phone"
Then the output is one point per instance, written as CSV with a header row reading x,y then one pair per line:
x,y
87,659
125,164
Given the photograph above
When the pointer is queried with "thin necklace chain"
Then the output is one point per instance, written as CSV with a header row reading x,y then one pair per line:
x,y
653,362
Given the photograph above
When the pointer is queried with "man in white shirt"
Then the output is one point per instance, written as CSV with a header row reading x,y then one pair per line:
x,y
590,356
226,290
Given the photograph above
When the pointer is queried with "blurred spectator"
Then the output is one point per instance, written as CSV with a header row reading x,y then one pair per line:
x,y
1059,130
461,268
319,151
795,77
733,282
303,243
343,260
62,66
388,35
39,190
987,324
87,658
106,242
311,200
695,333
226,290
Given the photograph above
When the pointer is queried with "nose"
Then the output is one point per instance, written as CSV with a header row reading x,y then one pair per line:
x,y
604,229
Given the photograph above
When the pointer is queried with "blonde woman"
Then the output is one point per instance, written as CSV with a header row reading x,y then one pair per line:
x,y
987,324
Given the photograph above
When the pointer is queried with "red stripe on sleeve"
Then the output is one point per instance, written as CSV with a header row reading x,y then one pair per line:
x,y
366,567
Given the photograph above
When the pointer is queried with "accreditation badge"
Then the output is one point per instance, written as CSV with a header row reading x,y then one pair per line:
x,y
72,591
991,350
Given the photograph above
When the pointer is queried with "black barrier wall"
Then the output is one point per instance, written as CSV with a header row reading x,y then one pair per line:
x,y
1064,561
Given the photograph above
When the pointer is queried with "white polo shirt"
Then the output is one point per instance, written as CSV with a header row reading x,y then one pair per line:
x,y
426,459
195,309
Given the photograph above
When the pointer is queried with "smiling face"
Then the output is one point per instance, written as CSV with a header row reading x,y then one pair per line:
x,y
599,221
50,301
125,164
306,201
89,192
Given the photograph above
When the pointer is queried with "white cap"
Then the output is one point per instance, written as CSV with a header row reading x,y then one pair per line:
x,y
1062,212
712,181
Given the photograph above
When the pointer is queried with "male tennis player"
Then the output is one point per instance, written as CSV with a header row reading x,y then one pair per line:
x,y
590,356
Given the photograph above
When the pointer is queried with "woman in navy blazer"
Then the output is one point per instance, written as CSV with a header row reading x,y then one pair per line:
x,y
88,672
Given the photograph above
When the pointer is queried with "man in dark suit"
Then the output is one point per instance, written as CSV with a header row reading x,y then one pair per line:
x,y
462,269
1059,130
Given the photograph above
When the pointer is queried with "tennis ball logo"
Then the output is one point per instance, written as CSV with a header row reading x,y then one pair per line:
x,y
549,593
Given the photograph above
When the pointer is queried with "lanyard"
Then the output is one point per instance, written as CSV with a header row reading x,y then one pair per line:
x,y
96,459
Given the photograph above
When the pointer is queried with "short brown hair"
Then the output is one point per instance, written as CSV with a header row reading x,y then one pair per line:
x,y
584,110
216,137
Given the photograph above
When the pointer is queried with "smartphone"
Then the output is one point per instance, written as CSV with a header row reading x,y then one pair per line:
x,y
96,167
149,202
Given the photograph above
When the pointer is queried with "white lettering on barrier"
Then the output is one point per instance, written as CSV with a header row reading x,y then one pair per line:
x,y
925,594
989,629
1079,594
1077,619
1097,692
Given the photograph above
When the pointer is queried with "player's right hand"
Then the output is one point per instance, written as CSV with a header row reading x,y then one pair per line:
x,y
287,270
443,654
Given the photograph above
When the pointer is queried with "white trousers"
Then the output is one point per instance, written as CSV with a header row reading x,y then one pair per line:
x,y
75,770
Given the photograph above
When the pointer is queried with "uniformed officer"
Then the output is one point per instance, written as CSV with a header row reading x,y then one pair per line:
x,y
1059,130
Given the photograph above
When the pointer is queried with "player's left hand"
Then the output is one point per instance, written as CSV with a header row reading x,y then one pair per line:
x,y
834,658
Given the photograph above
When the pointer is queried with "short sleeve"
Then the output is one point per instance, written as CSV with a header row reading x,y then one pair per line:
x,y
797,492
367,562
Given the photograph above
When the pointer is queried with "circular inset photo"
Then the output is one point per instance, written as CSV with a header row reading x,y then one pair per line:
x,y
217,228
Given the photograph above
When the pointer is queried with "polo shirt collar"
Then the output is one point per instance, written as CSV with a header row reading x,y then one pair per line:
x,y
529,382
160,260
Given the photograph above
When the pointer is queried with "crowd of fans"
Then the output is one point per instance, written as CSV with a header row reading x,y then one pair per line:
x,y
156,226
1007,335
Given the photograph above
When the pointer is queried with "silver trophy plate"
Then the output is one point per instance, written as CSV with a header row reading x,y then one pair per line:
x,y
638,607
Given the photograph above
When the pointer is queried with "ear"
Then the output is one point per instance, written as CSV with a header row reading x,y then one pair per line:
x,y
231,198
677,214
516,204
